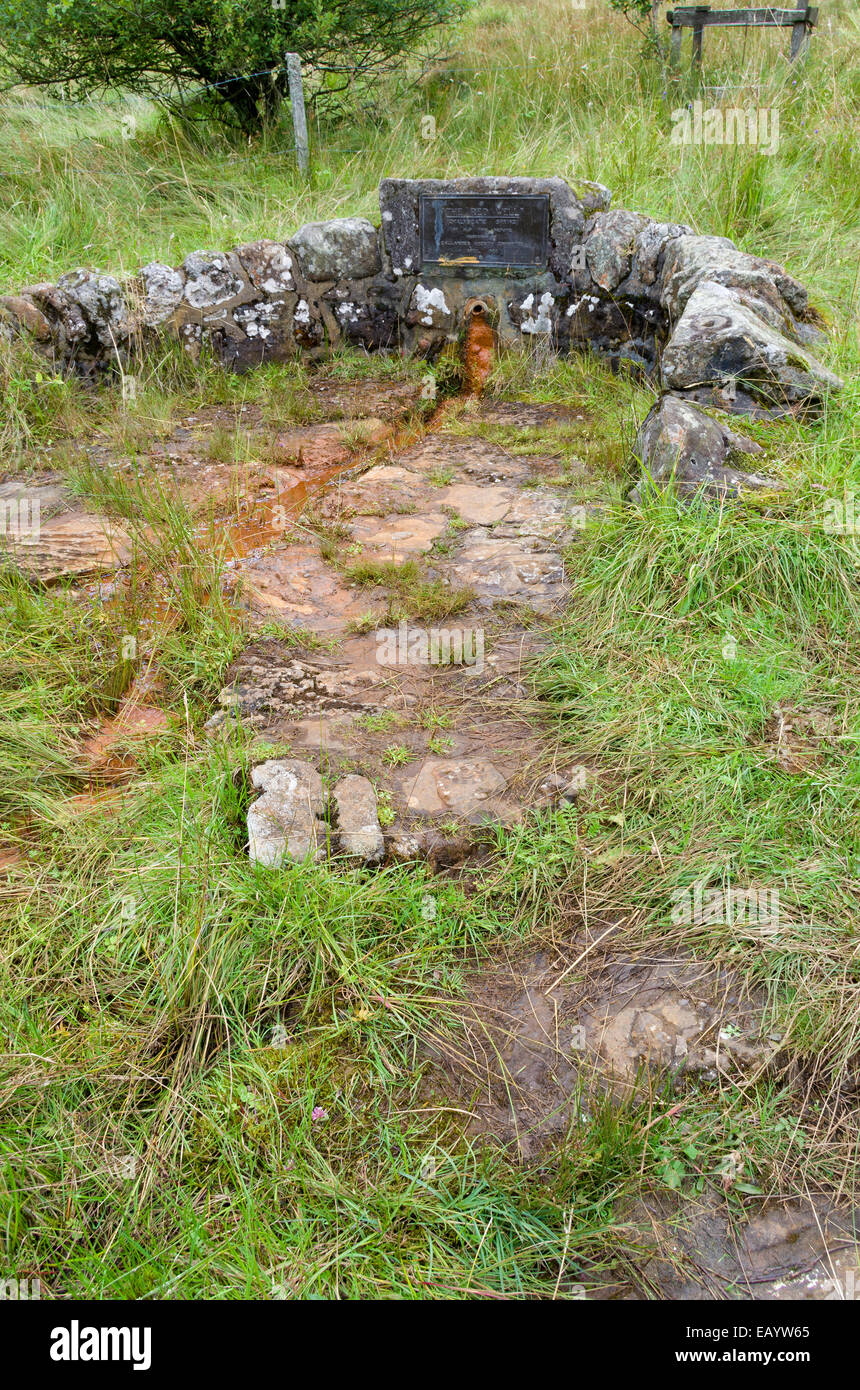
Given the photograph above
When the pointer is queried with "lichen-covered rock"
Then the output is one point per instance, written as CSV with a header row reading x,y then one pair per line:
x,y
368,312
618,328
611,282
679,446
269,267
265,333
309,325
68,326
718,337
161,288
652,242
429,307
358,827
102,304
286,821
535,314
214,279
610,244
345,248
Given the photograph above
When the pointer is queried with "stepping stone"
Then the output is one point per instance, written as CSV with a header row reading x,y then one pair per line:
x,y
286,821
47,535
357,820
461,788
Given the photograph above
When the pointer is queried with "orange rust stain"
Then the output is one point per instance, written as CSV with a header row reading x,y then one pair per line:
x,y
134,719
250,532
478,353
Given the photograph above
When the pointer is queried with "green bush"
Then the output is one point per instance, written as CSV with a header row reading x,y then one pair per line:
x,y
166,48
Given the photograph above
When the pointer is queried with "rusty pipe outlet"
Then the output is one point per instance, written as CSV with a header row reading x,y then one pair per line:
x,y
479,345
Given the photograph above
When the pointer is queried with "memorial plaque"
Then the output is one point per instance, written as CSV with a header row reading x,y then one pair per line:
x,y
480,229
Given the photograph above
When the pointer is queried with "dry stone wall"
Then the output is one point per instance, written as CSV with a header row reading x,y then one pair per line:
x,y
713,322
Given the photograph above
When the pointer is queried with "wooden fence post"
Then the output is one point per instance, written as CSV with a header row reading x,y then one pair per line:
x,y
297,102
698,32
799,33
675,52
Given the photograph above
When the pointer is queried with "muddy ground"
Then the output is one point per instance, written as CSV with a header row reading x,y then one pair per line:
x,y
317,523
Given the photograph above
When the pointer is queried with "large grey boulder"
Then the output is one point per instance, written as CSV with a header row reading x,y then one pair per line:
x,y
679,446
719,337
690,260
358,827
286,821
343,249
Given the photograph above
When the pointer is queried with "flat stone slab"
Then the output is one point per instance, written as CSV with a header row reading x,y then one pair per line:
x,y
350,712
358,828
467,459
479,506
286,821
47,535
398,538
296,586
517,569
273,688
701,1248
460,788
